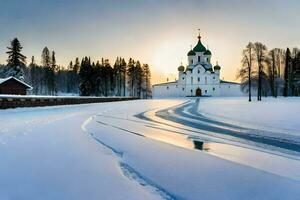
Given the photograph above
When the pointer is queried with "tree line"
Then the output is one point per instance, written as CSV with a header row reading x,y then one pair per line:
x,y
81,77
274,72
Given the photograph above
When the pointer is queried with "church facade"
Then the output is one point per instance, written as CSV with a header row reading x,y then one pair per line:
x,y
198,78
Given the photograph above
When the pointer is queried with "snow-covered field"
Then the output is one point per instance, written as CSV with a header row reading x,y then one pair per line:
x,y
279,114
103,151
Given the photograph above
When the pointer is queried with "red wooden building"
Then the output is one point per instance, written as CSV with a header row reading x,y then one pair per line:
x,y
12,85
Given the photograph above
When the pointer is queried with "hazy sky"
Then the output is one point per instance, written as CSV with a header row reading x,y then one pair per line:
x,y
158,32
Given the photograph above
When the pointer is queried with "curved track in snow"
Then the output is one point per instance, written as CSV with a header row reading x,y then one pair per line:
x,y
187,114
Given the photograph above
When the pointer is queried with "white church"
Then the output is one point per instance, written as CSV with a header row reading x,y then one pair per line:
x,y
198,78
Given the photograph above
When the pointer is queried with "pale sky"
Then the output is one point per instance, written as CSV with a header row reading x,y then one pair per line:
x,y
158,32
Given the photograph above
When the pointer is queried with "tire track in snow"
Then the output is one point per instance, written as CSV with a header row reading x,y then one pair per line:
x,y
129,171
249,137
122,129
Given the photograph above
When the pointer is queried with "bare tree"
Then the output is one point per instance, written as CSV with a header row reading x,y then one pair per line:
x,y
260,51
247,60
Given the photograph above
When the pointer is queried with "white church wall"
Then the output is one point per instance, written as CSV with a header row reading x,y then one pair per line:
x,y
215,78
199,57
181,78
207,90
230,89
191,60
197,75
168,90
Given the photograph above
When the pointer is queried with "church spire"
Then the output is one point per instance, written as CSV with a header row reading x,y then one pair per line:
x,y
199,35
199,47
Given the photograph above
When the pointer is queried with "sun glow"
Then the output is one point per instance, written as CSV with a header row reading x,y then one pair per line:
x,y
168,55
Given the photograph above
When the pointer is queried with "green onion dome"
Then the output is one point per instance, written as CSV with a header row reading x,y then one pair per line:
x,y
199,47
181,68
217,67
191,53
207,52
188,69
209,69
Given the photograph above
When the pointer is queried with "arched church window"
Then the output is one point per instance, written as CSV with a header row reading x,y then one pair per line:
x,y
198,79
213,89
198,58
192,61
205,91
191,80
198,71
205,80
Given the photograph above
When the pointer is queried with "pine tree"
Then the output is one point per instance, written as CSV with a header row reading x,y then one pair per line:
x,y
70,66
32,61
123,71
85,73
130,75
35,76
138,76
99,80
48,69
108,77
118,76
46,61
147,81
292,75
76,65
53,61
16,61
287,69
296,74
52,74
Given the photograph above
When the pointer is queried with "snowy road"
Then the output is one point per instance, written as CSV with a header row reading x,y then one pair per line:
x,y
156,149
188,115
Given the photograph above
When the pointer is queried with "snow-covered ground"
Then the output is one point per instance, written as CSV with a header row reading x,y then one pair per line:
x,y
279,114
102,151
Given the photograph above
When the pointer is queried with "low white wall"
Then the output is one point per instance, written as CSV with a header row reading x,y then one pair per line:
x,y
167,90
176,90
230,89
